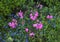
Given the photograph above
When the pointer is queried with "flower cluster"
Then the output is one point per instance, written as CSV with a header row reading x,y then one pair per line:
x,y
13,24
38,25
34,17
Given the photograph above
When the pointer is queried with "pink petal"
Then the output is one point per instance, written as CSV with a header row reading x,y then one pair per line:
x,y
34,25
32,18
13,26
31,14
36,13
51,17
31,34
20,14
48,16
26,29
40,26
9,23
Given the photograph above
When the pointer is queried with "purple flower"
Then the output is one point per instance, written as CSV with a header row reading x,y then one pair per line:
x,y
36,13
49,17
20,14
34,17
31,34
13,24
34,25
26,29
38,25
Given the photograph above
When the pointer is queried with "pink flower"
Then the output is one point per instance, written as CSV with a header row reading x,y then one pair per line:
x,y
49,16
36,13
26,29
13,24
35,25
20,14
9,24
38,25
31,34
34,17
31,14
31,17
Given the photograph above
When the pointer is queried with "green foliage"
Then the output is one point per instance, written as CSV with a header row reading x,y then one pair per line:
x,y
51,29
51,2
6,6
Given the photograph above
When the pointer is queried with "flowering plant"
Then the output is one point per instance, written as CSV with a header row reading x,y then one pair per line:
x,y
31,23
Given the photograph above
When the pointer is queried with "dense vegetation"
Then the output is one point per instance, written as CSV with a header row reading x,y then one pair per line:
x,y
10,9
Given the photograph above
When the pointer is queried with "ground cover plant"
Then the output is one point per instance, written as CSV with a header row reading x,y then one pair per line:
x,y
29,21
